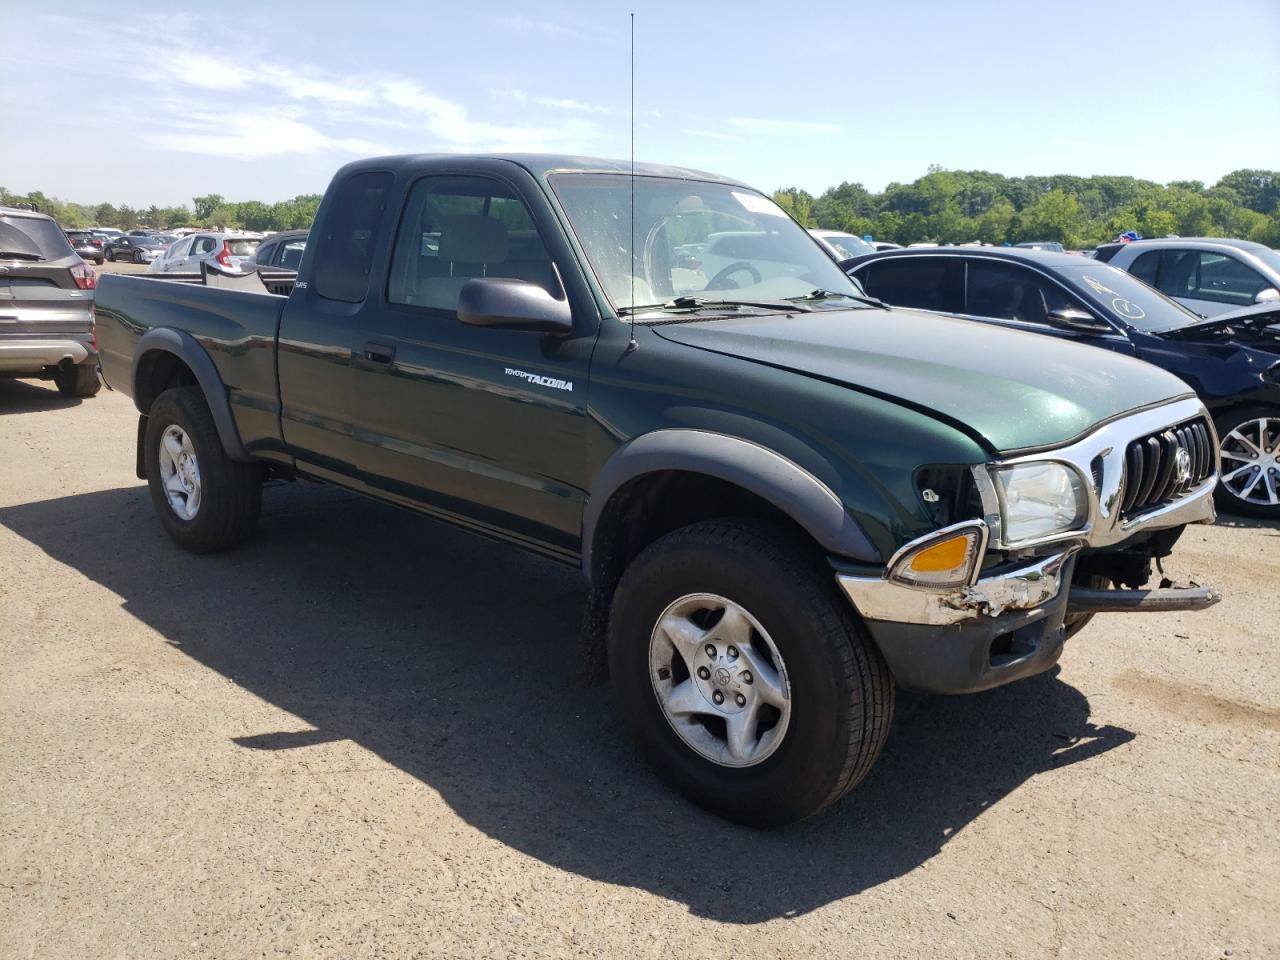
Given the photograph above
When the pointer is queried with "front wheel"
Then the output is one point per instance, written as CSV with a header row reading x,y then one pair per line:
x,y
137,257
110,255
744,675
1249,441
206,501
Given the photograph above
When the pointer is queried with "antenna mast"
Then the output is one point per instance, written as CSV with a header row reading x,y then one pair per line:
x,y
632,344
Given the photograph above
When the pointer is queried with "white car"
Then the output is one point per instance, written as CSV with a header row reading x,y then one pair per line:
x,y
226,251
842,245
1209,275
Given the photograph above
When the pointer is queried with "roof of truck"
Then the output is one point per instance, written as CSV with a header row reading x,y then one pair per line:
x,y
541,164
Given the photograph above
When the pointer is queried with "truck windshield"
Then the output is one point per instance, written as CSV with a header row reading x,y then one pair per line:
x,y
713,241
1142,307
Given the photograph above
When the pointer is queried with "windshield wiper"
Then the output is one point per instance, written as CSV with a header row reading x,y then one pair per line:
x,y
19,255
702,303
821,294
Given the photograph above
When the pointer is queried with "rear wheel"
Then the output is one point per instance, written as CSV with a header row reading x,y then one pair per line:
x,y
206,500
110,255
745,677
78,380
1249,441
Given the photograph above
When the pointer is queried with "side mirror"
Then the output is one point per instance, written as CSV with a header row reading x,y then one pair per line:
x,y
512,305
1269,295
1073,318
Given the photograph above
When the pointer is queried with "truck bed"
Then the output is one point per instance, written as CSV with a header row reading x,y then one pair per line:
x,y
235,328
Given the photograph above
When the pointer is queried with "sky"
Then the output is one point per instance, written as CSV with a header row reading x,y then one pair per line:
x,y
136,104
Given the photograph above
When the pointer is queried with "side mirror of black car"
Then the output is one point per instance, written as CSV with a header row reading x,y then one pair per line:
x,y
512,305
1269,295
1073,318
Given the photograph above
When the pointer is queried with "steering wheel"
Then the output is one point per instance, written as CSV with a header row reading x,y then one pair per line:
x,y
720,279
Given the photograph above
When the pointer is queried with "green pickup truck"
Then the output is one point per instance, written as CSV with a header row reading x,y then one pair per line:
x,y
785,498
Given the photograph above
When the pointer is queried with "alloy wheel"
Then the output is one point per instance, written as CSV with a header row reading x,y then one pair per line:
x,y
180,472
1251,461
719,680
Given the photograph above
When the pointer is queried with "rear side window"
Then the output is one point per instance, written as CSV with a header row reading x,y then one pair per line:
x,y
42,235
1147,267
289,254
350,230
924,283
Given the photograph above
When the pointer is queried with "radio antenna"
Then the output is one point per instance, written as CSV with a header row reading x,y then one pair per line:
x,y
631,345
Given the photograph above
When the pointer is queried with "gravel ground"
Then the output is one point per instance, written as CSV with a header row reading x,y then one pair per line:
x,y
359,736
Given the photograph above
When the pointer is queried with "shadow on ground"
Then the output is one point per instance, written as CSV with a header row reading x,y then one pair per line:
x,y
32,396
453,659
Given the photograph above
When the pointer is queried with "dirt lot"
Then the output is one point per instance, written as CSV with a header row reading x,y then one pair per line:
x,y
359,736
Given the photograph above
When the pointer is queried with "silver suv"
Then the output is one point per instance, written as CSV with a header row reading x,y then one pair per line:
x,y
224,251
1209,275
46,305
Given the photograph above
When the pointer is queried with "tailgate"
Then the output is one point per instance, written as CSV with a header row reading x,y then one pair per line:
x,y
38,308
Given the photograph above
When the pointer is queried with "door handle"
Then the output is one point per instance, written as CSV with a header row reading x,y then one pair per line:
x,y
379,352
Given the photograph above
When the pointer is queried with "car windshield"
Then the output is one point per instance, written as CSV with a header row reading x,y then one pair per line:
x,y
1124,295
1269,257
846,245
714,242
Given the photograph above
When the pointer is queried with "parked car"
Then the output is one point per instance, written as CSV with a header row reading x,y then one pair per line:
x,y
1049,246
1209,275
86,244
46,305
229,251
783,497
842,245
107,233
1232,361
134,249
279,252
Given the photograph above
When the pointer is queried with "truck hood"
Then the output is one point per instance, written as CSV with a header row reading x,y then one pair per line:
x,y
1008,389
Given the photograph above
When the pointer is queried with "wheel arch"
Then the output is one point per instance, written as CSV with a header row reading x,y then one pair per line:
x,y
717,465
166,357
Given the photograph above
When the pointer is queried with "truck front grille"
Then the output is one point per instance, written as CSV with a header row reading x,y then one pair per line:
x,y
1165,466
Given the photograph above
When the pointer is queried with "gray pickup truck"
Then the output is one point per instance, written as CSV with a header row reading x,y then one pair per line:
x,y
46,305
785,498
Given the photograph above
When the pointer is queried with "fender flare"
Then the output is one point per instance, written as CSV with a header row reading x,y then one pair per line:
x,y
783,483
185,347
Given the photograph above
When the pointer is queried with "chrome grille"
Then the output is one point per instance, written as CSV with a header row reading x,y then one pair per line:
x,y
1161,467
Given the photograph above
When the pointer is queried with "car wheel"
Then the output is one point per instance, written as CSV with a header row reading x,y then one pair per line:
x,y
110,255
206,501
137,257
745,677
78,380
1249,444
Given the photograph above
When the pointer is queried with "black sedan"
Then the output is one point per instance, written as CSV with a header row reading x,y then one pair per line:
x,y
133,249
1232,361
87,244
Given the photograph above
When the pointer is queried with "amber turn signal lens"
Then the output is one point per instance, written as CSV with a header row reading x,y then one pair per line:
x,y
941,557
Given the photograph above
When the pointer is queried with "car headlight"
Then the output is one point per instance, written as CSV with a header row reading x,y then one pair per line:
x,y
1039,500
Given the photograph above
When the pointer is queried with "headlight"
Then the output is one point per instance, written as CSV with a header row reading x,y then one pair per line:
x,y
1040,500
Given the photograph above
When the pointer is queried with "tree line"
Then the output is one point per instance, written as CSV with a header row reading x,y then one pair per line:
x,y
960,206
210,210
943,206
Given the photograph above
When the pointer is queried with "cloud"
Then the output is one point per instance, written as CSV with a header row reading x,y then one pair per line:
x,y
252,136
785,128
713,135
576,106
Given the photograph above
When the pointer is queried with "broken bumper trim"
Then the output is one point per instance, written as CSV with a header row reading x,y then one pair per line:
x,y
1023,588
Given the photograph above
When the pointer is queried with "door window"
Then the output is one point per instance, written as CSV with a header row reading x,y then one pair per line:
x,y
924,283
1224,279
351,229
201,246
289,254
1010,292
457,228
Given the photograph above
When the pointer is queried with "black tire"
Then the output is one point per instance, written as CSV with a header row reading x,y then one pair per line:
x,y
80,380
842,691
98,260
1228,501
110,255
230,491
137,257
